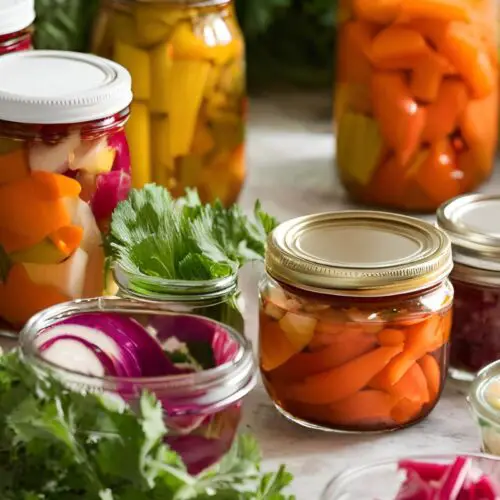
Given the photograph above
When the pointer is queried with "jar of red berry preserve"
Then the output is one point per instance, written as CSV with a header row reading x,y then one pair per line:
x,y
472,222
64,166
16,18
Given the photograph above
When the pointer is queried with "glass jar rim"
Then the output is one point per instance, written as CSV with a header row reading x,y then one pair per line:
x,y
186,289
238,376
476,396
475,275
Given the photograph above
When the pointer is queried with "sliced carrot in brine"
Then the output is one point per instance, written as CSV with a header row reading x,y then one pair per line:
x,y
400,118
67,239
443,114
339,383
463,46
20,298
446,10
406,411
397,47
342,349
391,337
380,11
55,186
275,349
432,372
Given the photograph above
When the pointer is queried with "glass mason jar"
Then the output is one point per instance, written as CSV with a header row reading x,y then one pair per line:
x,y
471,221
484,403
218,299
416,100
354,337
186,58
64,165
16,19
204,408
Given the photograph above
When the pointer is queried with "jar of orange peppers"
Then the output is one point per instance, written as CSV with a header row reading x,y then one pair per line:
x,y
187,123
16,18
64,166
416,99
355,317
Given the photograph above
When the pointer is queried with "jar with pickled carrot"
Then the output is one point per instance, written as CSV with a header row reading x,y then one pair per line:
x,y
64,166
355,317
188,116
16,18
416,101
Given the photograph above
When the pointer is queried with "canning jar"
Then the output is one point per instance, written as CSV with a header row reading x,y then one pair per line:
x,y
16,18
471,221
202,409
355,314
484,403
64,165
219,299
416,100
188,116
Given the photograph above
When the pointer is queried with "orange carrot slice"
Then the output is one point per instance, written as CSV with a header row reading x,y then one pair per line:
x,y
20,298
400,118
275,349
432,372
406,411
420,340
380,11
341,350
55,186
446,10
353,65
363,407
443,115
397,47
438,174
67,239
38,216
462,45
12,241
14,165
391,337
341,382
412,385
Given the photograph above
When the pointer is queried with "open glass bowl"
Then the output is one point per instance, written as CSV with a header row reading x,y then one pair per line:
x,y
202,409
382,480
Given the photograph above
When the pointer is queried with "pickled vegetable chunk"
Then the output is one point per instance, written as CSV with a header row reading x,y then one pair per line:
x,y
187,126
423,74
363,367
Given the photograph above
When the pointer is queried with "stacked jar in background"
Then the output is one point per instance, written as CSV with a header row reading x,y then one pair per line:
x,y
416,100
16,19
64,166
188,116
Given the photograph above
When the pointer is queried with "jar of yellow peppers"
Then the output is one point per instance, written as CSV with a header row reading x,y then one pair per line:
x,y
187,121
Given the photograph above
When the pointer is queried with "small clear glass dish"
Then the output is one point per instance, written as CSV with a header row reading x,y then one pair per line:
x,y
381,480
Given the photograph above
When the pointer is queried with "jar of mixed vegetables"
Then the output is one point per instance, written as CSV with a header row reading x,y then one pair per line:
x,y
416,99
197,368
64,166
472,223
16,18
355,320
188,116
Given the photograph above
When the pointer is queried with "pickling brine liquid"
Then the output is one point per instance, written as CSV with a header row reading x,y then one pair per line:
x,y
416,99
188,115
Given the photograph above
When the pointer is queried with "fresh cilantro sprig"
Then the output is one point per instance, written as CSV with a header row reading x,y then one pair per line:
x,y
154,235
58,444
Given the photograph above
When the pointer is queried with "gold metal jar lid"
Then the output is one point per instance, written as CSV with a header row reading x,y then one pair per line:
x,y
358,253
473,224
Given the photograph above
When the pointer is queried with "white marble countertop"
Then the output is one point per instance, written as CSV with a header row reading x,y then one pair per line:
x,y
291,170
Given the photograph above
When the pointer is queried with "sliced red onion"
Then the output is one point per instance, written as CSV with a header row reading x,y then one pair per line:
x,y
111,188
119,143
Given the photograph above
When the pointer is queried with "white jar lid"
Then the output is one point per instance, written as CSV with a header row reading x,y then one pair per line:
x,y
55,87
15,15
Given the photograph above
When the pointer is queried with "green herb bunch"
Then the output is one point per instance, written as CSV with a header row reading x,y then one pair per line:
x,y
154,235
56,444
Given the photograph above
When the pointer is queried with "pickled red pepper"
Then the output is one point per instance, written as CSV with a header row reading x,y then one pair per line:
x,y
416,99
335,366
187,118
